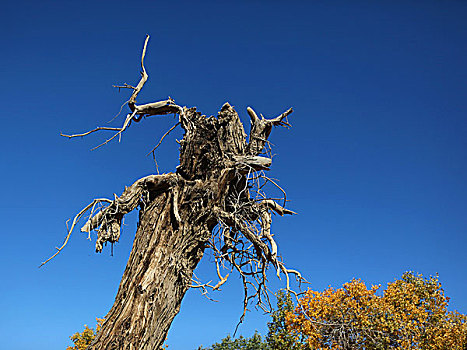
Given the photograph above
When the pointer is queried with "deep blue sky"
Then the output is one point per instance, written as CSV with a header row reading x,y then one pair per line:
x,y
375,163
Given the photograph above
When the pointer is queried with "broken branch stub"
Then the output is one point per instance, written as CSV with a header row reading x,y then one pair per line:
x,y
261,128
216,199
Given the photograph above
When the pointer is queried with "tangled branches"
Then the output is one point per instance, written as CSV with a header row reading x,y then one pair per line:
x,y
242,241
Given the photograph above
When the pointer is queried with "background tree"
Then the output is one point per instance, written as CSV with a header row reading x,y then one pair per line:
x,y
216,199
410,314
279,337
240,343
82,340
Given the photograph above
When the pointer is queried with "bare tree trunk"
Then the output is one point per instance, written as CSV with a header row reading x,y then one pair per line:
x,y
176,222
215,199
156,278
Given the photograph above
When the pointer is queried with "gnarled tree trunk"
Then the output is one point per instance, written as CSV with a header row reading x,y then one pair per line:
x,y
214,200
156,278
176,221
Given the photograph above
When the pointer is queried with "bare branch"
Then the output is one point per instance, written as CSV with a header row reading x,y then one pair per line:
x,y
162,139
75,221
276,207
268,179
222,280
119,111
252,114
280,119
137,111
144,78
255,163
119,133
124,86
158,108
90,132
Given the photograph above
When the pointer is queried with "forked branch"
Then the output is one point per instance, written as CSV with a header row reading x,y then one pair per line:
x,y
261,129
137,111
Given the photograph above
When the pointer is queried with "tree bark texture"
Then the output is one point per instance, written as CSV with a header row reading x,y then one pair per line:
x,y
156,278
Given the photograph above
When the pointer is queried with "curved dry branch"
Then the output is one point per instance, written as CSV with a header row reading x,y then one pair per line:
x,y
158,108
222,280
75,221
118,133
162,139
144,78
270,204
276,185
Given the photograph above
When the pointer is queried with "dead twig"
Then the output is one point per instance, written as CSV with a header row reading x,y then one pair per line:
x,y
90,132
162,139
75,221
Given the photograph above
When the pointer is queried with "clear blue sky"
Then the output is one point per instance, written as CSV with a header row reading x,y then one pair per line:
x,y
375,163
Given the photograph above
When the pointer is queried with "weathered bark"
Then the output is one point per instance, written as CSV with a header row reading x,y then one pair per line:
x,y
156,278
215,199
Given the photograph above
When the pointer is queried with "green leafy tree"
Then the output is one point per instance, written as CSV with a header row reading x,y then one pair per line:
x,y
240,343
279,337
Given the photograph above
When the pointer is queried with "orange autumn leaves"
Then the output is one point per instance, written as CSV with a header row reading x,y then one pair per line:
x,y
82,340
410,314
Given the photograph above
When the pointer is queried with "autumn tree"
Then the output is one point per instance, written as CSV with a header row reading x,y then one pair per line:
x,y
215,199
411,313
82,340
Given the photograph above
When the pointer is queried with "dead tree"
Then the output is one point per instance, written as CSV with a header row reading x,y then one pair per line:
x,y
215,200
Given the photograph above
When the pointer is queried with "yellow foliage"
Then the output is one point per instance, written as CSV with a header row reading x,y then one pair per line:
x,y
410,314
82,340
